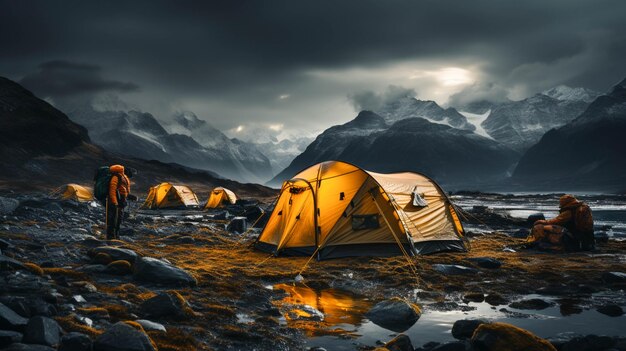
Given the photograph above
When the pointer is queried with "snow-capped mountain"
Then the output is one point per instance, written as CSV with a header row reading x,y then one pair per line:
x,y
139,134
520,124
409,107
450,155
586,153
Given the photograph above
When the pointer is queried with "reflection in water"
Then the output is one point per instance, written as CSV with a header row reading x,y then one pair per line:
x,y
339,308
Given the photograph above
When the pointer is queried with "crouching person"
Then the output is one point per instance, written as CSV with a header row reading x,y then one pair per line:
x,y
118,195
571,230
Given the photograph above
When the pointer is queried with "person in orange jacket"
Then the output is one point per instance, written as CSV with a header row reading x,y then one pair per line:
x,y
576,217
119,193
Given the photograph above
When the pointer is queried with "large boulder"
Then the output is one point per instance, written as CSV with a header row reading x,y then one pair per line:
x,y
122,337
503,336
8,337
464,328
42,330
394,314
75,342
116,253
165,304
10,320
152,270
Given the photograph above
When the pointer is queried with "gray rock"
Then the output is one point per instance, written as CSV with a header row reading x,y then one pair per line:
x,y
10,320
611,310
75,342
9,263
43,331
452,346
163,305
117,253
614,277
4,245
588,343
7,205
238,225
93,268
8,337
454,269
464,328
152,270
485,262
394,314
150,325
24,347
122,337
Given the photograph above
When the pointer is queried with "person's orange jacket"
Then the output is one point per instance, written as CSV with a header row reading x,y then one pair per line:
x,y
119,184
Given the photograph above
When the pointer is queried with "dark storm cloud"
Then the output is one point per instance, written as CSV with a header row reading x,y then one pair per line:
x,y
246,53
63,79
372,101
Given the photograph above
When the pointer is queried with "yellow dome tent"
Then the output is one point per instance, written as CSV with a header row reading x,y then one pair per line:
x,y
167,195
339,209
220,197
74,192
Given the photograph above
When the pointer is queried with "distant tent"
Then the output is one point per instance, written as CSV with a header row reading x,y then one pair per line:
x,y
220,197
73,192
167,195
342,210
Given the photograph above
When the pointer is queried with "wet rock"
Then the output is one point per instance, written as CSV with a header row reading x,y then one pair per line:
x,y
554,290
7,205
116,253
122,337
93,268
152,270
495,299
531,304
394,314
464,328
186,240
601,237
474,297
42,330
454,269
9,320
165,304
587,343
453,346
611,310
102,258
399,343
614,277
150,325
75,342
305,313
447,306
7,263
4,245
8,337
485,262
25,347
568,308
237,225
503,336
120,267
534,217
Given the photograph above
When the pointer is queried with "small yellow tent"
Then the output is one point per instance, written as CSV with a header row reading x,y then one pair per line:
x,y
220,197
342,210
167,195
74,192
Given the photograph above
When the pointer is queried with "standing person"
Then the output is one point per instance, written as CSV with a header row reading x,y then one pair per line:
x,y
119,191
576,217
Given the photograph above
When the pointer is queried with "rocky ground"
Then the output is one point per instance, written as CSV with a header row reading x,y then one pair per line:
x,y
182,281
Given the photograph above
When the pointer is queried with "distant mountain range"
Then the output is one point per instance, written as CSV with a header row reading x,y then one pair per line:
x,y
586,153
41,148
450,155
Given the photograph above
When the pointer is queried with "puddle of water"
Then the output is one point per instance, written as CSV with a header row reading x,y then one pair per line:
x,y
344,325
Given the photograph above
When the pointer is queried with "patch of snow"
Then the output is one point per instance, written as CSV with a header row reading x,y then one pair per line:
x,y
150,138
565,93
477,120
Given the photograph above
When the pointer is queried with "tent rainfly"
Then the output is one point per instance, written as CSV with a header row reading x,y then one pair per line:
x,y
167,195
220,197
74,192
336,209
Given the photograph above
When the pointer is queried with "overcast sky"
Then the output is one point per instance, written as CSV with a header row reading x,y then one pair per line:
x,y
306,65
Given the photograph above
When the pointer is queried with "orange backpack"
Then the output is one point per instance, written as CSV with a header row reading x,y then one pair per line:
x,y
583,219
